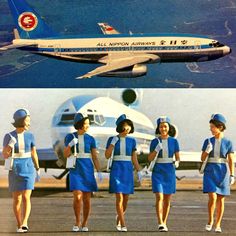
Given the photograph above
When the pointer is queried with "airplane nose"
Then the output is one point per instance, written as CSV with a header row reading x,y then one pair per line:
x,y
227,50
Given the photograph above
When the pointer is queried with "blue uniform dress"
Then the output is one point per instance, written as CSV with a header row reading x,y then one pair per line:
x,y
121,175
163,174
22,175
216,173
82,176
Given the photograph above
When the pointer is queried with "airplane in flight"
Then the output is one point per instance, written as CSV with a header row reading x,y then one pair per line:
x,y
103,112
120,55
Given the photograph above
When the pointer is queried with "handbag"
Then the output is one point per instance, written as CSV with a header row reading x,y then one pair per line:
x,y
203,164
71,160
9,161
153,162
109,162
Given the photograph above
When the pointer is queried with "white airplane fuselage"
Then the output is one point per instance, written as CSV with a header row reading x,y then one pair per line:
x,y
102,112
167,48
121,55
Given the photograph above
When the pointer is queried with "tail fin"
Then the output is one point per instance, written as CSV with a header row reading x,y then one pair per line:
x,y
29,23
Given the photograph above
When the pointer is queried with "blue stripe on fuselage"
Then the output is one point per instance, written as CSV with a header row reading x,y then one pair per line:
x,y
101,49
126,36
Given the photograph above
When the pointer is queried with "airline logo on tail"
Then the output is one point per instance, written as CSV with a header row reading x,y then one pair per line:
x,y
28,21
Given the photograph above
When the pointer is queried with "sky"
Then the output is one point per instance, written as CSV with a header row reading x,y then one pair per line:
x,y
189,110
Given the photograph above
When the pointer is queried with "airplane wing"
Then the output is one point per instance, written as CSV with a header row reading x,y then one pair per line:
x,y
15,46
190,160
47,154
120,63
48,159
107,29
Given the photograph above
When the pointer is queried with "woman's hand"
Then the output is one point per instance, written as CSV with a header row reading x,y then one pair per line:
x,y
6,152
231,180
12,141
37,178
177,164
73,142
140,175
114,140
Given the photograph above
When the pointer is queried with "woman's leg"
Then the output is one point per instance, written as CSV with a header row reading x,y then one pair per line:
x,y
86,207
26,194
120,207
77,205
159,207
125,202
17,199
211,207
166,207
220,206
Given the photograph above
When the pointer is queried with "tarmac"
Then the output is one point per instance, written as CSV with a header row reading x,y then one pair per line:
x,y
52,212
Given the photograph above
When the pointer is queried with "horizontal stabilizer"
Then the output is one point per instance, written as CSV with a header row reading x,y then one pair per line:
x,y
16,34
107,29
15,46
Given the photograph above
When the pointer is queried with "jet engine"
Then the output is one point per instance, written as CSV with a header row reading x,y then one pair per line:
x,y
132,97
129,72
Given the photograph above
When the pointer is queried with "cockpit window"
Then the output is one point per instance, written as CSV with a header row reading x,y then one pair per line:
x,y
67,119
216,44
95,117
99,119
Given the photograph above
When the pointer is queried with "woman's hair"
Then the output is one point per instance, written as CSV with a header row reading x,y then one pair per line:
x,y
120,129
218,124
80,124
171,132
20,123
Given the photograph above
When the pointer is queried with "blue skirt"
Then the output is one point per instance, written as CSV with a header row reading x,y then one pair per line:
x,y
163,178
216,179
121,177
22,175
82,176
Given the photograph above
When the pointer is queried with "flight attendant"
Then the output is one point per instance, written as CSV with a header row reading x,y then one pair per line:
x,y
217,151
81,178
24,170
122,150
162,150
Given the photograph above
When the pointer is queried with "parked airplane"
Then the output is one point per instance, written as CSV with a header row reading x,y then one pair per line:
x,y
102,112
122,55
